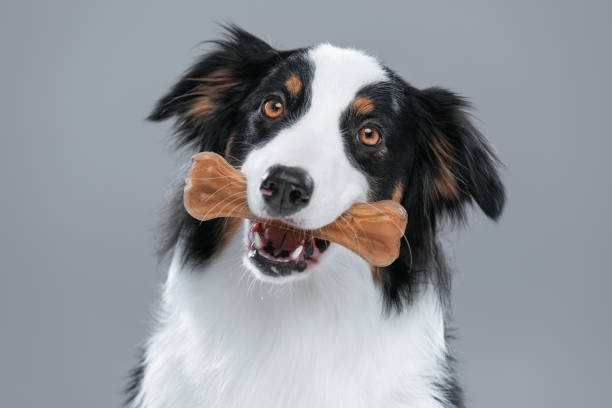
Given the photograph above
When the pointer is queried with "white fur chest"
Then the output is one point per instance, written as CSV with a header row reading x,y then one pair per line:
x,y
225,340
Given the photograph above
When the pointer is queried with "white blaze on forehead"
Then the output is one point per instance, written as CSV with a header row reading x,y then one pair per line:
x,y
339,74
315,142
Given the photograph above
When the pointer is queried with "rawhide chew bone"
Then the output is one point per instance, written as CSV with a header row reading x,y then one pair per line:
x,y
215,189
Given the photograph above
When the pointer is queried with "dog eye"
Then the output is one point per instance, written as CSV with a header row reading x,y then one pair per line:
x,y
273,108
369,136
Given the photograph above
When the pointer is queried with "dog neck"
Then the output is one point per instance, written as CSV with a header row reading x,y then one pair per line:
x,y
225,339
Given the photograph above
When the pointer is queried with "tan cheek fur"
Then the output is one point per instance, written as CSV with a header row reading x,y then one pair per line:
x,y
398,192
228,148
376,272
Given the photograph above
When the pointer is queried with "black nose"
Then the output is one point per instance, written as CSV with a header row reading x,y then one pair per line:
x,y
285,190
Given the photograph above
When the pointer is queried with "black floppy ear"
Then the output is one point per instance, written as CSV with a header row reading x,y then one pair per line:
x,y
206,98
460,165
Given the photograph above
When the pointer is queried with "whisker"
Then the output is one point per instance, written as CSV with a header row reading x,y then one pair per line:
x,y
383,213
238,201
205,216
240,205
215,192
344,230
353,230
233,210
231,156
225,200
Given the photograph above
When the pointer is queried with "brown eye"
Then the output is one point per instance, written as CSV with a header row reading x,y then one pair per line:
x,y
369,136
273,108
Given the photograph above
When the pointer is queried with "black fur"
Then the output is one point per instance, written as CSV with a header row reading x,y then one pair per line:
x,y
135,380
411,120
247,61
429,147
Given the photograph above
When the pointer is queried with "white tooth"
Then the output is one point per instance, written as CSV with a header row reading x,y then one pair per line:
x,y
297,252
257,241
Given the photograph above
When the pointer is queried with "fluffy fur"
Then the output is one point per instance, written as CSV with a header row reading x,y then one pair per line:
x,y
341,333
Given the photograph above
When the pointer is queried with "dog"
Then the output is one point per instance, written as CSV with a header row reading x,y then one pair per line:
x,y
255,316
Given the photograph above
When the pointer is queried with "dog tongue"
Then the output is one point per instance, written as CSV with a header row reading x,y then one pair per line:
x,y
282,239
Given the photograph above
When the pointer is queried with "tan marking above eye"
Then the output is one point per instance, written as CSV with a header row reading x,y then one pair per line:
x,y
363,105
369,136
273,108
293,84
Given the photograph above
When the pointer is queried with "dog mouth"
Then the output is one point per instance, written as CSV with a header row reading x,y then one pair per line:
x,y
280,252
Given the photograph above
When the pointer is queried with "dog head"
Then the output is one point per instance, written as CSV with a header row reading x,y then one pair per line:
x,y
316,130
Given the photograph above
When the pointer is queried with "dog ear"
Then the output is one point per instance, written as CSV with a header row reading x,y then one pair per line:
x,y
205,99
459,164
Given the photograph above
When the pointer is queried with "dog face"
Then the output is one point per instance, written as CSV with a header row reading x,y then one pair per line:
x,y
310,135
316,130
300,169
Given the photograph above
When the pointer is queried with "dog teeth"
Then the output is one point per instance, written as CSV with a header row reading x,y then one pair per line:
x,y
257,241
297,252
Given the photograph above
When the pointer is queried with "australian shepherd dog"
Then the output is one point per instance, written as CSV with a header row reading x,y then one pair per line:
x,y
255,316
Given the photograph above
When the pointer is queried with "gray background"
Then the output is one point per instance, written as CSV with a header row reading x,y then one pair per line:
x,y
84,176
